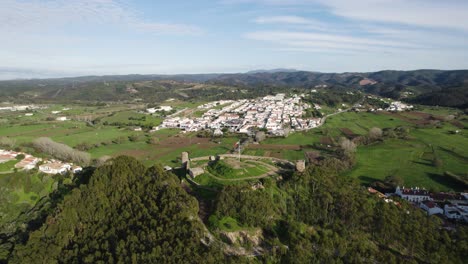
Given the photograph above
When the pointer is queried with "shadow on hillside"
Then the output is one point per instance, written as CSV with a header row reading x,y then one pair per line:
x,y
367,179
446,181
426,163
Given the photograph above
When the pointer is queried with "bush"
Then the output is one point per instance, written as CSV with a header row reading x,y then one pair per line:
x,y
61,151
7,142
220,168
375,133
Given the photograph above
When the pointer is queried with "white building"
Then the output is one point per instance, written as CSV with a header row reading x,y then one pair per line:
x,y
452,212
55,167
28,163
413,195
162,108
431,208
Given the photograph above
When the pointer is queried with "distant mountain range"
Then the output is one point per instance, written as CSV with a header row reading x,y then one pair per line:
x,y
434,87
271,71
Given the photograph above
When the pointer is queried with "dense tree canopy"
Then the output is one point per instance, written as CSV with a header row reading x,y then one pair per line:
x,y
129,214
126,214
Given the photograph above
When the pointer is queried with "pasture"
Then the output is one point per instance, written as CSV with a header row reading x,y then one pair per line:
x,y
112,135
411,159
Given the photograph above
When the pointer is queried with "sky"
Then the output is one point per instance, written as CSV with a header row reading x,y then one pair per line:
x,y
57,38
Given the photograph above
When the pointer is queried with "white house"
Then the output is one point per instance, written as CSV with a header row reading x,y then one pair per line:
x,y
413,195
431,208
28,163
61,118
54,168
76,169
452,212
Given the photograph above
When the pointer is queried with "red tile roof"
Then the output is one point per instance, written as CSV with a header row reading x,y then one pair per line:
x,y
415,192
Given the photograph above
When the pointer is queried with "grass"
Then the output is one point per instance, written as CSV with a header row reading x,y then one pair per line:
x,y
247,170
297,138
132,118
361,123
229,224
8,166
409,159
405,158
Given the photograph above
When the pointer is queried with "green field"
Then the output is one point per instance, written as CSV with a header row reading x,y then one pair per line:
x,y
7,166
410,159
132,118
406,158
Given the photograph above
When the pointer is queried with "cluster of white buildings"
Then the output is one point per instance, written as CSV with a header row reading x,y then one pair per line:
x,y
58,167
15,108
30,162
214,104
451,205
27,163
163,108
397,106
276,114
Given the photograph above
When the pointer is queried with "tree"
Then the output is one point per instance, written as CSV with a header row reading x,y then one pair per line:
x,y
7,142
61,151
101,161
260,136
347,146
394,180
375,133
125,214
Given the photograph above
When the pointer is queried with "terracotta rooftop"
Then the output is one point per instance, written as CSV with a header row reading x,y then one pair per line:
x,y
430,204
415,192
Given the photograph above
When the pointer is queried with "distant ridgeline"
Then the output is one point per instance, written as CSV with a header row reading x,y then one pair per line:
x,y
431,87
130,214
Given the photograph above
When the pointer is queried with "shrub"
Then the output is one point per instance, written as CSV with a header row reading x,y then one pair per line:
x,y
61,151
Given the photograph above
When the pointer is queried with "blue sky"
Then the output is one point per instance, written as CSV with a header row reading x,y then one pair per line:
x,y
54,38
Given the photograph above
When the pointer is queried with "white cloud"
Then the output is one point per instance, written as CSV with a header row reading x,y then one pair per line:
x,y
295,21
164,28
449,14
42,15
312,39
376,26
283,19
422,13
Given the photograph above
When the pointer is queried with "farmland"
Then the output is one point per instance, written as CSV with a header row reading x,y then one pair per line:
x,y
112,134
411,158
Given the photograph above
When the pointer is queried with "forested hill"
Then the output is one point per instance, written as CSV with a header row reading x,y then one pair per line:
x,y
130,214
433,87
311,79
126,214
420,86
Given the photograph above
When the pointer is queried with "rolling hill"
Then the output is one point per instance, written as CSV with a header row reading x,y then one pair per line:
x,y
433,87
